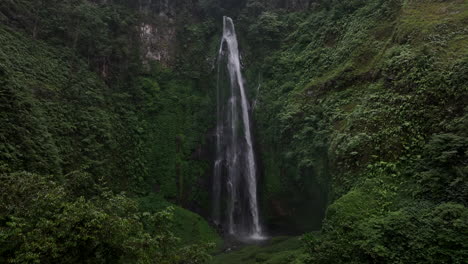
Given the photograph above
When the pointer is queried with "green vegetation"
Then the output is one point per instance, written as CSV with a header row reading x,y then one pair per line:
x,y
89,133
190,227
361,122
44,222
366,100
279,250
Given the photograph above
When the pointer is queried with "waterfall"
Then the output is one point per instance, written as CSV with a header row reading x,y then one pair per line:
x,y
235,170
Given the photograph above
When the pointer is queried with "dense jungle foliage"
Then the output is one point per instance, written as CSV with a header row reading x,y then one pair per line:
x,y
369,100
361,125
83,120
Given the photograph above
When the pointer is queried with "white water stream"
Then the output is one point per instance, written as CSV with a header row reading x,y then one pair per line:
x,y
235,165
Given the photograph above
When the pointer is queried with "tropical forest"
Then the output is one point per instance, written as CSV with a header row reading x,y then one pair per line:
x,y
234,131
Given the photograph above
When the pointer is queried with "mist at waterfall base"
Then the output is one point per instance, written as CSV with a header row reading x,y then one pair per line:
x,y
235,201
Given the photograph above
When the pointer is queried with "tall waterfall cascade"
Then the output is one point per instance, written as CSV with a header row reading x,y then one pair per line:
x,y
235,201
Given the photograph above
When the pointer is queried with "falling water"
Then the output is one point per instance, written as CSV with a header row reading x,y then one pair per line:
x,y
235,160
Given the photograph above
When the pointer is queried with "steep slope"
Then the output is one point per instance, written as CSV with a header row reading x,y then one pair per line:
x,y
95,138
365,103
145,108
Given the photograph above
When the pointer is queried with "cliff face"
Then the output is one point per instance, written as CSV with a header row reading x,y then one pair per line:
x,y
158,30
158,39
161,21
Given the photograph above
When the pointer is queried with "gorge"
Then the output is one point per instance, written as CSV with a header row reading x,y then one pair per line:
x,y
233,131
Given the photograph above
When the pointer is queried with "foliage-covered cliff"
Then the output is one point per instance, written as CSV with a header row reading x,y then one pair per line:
x,y
360,113
365,102
85,116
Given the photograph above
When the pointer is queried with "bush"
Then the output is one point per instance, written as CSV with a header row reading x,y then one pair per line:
x,y
418,233
444,169
40,222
